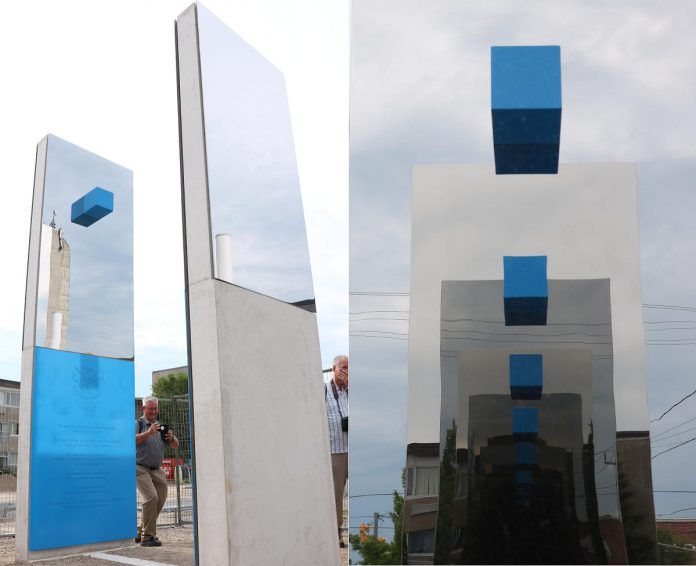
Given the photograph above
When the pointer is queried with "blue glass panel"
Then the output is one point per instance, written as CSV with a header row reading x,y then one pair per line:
x,y
526,76
82,483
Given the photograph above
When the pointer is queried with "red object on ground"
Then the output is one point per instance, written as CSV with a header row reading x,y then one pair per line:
x,y
168,465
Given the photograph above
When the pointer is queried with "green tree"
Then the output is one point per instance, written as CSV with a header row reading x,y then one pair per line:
x,y
669,554
171,385
640,549
444,534
377,550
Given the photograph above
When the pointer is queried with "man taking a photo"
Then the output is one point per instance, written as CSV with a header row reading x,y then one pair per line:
x,y
149,475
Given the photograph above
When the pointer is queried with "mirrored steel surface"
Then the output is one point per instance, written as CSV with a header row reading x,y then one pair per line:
x,y
253,183
85,283
545,493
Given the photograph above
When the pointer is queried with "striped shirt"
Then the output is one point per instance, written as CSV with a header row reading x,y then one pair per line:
x,y
335,408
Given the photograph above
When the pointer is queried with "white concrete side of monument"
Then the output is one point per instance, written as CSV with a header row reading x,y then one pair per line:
x,y
27,371
24,456
263,469
465,219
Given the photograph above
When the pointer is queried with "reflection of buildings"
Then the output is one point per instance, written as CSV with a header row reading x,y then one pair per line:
x,y
636,490
519,488
160,373
526,504
421,501
685,528
58,290
465,220
9,423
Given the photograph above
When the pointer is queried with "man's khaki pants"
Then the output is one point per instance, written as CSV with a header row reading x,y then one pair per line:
x,y
152,485
339,464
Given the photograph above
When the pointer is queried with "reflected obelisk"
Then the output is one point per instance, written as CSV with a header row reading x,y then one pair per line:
x,y
58,288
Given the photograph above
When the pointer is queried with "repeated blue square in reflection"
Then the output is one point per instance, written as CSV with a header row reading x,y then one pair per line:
x,y
524,423
525,453
526,376
82,478
525,290
93,206
524,477
526,108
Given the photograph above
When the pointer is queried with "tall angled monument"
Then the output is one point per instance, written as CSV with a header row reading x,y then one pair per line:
x,y
76,481
263,486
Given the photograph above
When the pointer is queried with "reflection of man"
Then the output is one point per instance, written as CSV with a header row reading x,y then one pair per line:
x,y
150,477
336,393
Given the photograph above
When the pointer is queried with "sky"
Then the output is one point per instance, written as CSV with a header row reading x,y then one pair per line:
x,y
420,94
102,75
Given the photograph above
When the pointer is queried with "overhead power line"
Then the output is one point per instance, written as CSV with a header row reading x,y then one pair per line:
x,y
674,512
373,494
669,307
673,406
655,437
673,435
674,447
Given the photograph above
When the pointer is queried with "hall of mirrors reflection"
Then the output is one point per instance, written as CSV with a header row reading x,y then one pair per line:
x,y
85,283
258,232
561,505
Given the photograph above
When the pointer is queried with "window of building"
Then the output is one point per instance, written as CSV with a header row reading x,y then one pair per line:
x,y
9,398
421,542
423,480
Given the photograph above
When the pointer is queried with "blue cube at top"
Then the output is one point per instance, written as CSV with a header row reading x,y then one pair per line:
x,y
93,206
526,376
524,423
526,108
525,290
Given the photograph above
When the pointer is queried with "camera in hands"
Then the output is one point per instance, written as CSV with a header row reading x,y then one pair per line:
x,y
164,429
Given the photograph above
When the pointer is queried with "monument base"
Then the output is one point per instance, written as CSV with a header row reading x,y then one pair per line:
x,y
264,487
64,552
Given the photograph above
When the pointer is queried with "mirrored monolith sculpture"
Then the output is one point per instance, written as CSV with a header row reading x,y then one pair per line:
x,y
527,436
263,483
76,484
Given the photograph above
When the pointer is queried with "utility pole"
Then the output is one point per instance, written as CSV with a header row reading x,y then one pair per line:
x,y
376,524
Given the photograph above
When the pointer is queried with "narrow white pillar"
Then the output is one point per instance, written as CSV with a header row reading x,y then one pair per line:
x,y
56,327
223,256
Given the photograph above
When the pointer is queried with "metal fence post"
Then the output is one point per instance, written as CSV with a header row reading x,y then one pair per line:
x,y
176,472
